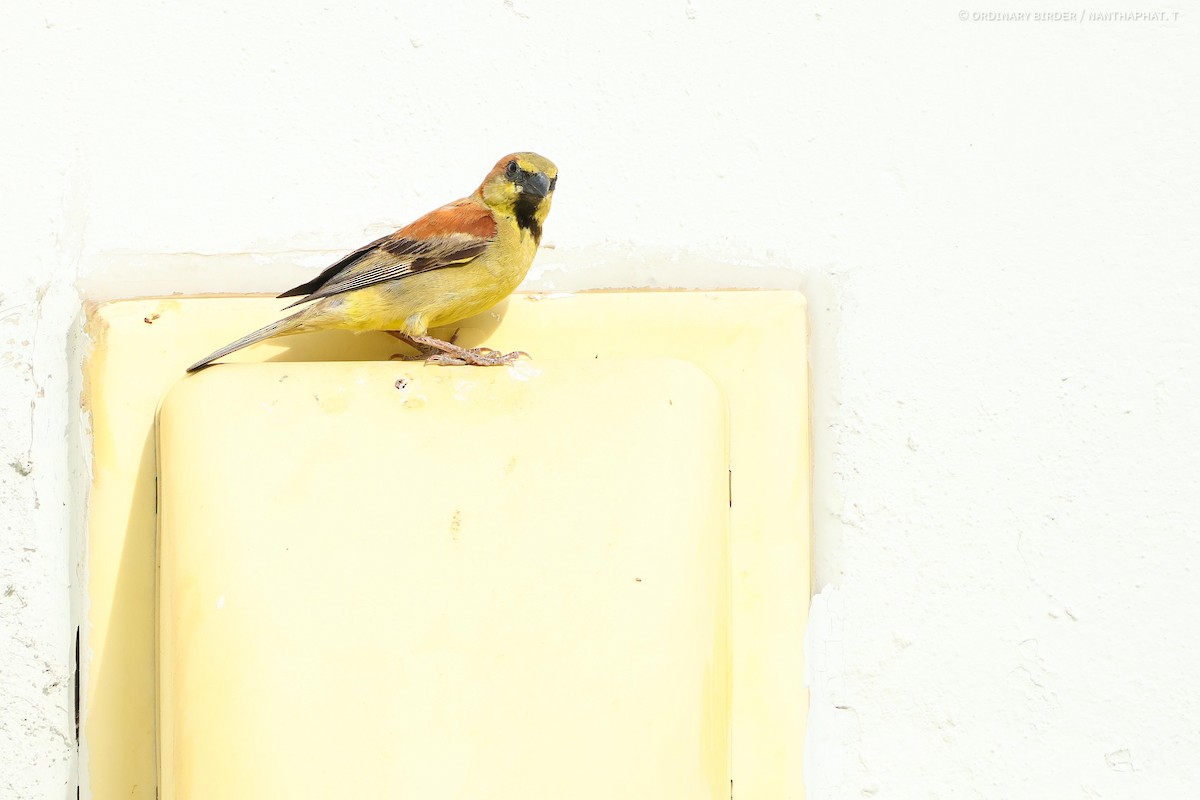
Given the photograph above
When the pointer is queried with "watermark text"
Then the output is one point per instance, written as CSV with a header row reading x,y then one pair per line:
x,y
1078,17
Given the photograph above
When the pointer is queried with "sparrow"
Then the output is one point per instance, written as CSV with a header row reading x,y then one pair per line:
x,y
456,261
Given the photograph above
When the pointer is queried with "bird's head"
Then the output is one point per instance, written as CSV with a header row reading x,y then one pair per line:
x,y
521,185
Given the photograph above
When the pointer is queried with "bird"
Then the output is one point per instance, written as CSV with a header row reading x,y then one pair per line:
x,y
456,261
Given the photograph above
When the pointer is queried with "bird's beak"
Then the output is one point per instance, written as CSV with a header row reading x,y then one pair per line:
x,y
537,184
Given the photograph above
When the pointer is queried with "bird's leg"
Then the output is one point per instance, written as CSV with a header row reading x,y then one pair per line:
x,y
436,351
424,352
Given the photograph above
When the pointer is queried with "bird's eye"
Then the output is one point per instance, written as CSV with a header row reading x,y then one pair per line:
x,y
511,170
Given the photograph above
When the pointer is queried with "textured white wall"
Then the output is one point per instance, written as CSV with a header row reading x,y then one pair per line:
x,y
994,221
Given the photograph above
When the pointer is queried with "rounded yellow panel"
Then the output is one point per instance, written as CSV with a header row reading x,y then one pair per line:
x,y
390,580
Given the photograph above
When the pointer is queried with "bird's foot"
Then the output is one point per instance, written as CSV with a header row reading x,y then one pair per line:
x,y
435,351
475,357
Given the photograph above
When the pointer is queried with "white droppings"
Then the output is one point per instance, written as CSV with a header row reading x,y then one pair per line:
x,y
463,389
533,298
523,371
220,602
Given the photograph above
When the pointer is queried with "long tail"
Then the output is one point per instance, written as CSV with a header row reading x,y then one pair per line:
x,y
284,326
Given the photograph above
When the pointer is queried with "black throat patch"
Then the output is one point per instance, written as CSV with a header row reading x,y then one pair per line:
x,y
525,208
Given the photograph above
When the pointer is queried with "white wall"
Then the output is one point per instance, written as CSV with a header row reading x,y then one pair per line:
x,y
994,221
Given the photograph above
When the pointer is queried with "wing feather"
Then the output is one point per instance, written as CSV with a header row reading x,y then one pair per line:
x,y
452,235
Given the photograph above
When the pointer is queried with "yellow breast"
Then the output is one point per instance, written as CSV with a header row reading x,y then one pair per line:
x,y
440,297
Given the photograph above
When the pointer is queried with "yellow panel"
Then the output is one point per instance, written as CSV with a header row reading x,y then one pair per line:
x,y
483,584
752,344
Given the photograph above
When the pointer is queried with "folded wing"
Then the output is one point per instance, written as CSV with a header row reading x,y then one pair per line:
x,y
449,236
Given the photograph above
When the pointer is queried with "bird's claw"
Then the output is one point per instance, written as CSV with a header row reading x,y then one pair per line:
x,y
448,354
444,360
478,357
509,358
